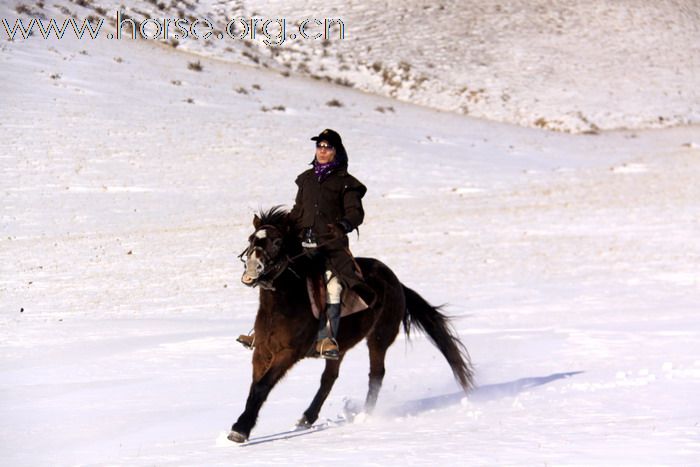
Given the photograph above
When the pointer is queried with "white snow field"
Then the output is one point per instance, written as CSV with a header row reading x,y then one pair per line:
x,y
570,263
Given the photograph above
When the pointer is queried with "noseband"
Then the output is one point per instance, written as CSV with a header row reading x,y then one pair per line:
x,y
271,271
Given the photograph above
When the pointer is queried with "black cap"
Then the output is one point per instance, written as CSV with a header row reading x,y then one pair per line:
x,y
333,138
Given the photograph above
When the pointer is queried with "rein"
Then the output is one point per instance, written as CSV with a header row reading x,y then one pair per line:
x,y
279,267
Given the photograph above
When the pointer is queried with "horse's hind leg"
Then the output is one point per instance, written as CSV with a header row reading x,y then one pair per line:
x,y
330,374
377,352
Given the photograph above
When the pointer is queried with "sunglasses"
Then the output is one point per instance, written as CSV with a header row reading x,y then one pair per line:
x,y
327,147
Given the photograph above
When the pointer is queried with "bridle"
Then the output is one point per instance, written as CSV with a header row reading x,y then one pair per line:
x,y
272,270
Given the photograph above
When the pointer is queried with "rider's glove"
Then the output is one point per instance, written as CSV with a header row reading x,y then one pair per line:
x,y
336,231
346,226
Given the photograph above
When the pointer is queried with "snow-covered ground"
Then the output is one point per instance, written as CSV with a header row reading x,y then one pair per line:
x,y
570,263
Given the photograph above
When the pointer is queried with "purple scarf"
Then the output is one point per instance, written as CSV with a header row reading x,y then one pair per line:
x,y
323,170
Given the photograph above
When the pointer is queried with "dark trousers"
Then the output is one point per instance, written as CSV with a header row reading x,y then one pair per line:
x,y
340,261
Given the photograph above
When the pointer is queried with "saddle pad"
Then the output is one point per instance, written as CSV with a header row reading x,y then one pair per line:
x,y
350,302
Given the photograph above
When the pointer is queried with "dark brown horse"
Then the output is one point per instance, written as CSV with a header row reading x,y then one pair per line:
x,y
285,327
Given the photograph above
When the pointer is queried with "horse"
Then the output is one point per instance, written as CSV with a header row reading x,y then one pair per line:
x,y
285,327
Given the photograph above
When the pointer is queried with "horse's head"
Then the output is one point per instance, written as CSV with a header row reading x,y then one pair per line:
x,y
264,258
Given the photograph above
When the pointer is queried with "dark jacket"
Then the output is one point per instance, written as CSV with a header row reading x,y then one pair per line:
x,y
335,199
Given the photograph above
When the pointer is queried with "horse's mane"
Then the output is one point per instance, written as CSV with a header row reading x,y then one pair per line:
x,y
279,217
276,216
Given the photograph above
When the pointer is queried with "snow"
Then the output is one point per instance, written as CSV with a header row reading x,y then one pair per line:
x,y
569,66
571,265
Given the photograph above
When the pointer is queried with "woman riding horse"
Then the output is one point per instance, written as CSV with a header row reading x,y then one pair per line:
x,y
327,207
286,327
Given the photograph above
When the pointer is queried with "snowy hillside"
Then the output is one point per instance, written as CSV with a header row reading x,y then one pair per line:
x,y
129,178
575,66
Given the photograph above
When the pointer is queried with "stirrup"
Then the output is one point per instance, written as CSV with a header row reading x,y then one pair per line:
x,y
331,354
248,344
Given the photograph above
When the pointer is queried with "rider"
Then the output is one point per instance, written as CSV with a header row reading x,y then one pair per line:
x,y
328,206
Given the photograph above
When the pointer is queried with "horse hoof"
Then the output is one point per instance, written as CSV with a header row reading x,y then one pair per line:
x,y
237,437
303,422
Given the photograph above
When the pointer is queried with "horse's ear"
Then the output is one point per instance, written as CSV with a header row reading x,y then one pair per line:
x,y
256,222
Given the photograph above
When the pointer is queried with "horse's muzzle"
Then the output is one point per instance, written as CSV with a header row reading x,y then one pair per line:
x,y
248,280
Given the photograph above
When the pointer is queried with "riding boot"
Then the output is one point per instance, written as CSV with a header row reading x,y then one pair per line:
x,y
322,325
326,345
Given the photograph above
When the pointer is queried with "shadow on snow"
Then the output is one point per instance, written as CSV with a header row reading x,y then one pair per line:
x,y
480,394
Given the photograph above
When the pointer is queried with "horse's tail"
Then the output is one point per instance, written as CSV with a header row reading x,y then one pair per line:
x,y
428,319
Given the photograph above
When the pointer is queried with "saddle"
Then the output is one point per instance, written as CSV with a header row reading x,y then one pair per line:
x,y
350,301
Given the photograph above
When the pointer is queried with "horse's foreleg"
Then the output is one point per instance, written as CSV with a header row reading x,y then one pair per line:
x,y
330,374
259,390
377,352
